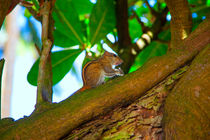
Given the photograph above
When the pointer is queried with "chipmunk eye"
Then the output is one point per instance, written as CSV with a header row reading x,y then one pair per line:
x,y
114,55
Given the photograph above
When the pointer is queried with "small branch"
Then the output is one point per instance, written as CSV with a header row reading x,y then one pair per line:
x,y
34,13
122,24
144,28
124,40
151,33
154,13
110,44
1,73
38,49
44,85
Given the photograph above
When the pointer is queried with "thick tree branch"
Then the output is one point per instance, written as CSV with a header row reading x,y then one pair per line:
x,y
69,114
181,21
140,120
187,107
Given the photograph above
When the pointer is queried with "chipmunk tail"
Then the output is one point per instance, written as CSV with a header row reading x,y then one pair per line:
x,y
82,89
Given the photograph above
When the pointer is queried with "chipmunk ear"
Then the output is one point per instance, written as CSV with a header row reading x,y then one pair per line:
x,y
106,53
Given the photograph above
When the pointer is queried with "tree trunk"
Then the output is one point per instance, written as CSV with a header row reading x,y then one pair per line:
x,y
186,114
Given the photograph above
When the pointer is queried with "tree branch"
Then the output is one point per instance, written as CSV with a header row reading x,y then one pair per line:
x,y
151,33
79,108
154,13
1,73
44,85
124,40
186,114
181,21
34,13
144,28
141,119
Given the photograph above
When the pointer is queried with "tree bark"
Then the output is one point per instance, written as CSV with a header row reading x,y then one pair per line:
x,y
140,120
187,107
181,21
44,82
4,7
124,40
62,118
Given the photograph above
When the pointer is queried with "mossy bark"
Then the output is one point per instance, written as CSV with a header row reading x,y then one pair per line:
x,y
187,107
181,21
140,120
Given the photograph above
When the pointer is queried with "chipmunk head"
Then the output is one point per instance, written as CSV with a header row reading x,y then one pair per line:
x,y
113,58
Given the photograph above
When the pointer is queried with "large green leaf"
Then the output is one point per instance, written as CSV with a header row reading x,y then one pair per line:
x,y
83,6
67,24
62,62
102,20
135,30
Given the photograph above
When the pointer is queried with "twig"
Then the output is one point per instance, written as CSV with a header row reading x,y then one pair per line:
x,y
144,28
1,72
34,13
38,49
151,9
44,85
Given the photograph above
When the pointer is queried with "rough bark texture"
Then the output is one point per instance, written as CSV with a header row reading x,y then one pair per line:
x,y
187,107
69,114
44,83
140,120
181,21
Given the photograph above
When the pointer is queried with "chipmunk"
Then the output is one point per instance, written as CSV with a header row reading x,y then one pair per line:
x,y
94,72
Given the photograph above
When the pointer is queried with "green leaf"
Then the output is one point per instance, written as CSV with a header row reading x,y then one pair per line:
x,y
36,3
102,20
154,49
135,30
67,25
165,35
62,62
62,40
83,6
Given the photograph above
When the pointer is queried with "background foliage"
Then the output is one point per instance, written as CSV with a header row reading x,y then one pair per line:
x,y
86,24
